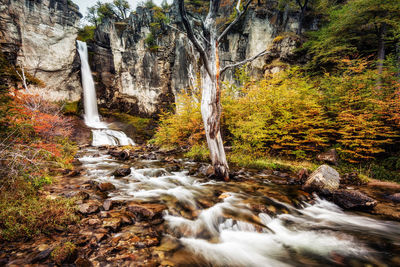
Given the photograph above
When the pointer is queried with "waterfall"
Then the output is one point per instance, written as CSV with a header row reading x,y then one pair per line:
x,y
100,132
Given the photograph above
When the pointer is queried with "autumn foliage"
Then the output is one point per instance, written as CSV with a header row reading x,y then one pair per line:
x,y
293,115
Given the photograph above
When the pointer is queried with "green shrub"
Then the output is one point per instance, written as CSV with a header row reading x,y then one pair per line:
x,y
198,153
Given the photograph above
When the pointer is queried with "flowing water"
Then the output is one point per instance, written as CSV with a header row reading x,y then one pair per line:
x,y
101,134
248,223
251,222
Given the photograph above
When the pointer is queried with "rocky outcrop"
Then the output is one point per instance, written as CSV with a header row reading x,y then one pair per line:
x,y
138,79
39,36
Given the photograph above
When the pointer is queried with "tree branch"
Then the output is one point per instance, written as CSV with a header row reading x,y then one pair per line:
x,y
244,61
192,37
239,15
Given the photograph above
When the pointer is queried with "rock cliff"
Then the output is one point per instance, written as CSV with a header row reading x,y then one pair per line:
x,y
39,35
139,79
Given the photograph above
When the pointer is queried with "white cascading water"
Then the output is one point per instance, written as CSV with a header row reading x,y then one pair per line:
x,y
101,134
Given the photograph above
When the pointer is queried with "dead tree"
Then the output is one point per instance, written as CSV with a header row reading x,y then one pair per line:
x,y
206,40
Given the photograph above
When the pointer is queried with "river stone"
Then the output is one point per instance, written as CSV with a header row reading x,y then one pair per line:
x,y
106,187
43,254
107,205
330,156
146,211
394,197
82,262
88,208
112,223
207,170
325,178
353,199
121,172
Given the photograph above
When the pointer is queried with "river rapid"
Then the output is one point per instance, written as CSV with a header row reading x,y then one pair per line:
x,y
249,221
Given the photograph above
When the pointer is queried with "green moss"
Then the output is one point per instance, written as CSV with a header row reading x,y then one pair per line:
x,y
71,108
64,253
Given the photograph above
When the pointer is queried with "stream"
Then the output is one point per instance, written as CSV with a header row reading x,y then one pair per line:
x,y
249,222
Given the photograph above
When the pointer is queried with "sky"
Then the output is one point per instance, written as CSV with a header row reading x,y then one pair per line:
x,y
84,4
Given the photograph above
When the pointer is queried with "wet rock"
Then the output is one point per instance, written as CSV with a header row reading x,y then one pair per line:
x,y
325,178
88,208
302,176
107,205
207,170
74,173
82,262
112,223
94,221
146,211
353,199
394,197
76,162
174,168
106,187
121,172
330,156
64,253
42,255
99,236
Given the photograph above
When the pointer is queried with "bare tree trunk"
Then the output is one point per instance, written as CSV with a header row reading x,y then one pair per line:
x,y
211,113
211,101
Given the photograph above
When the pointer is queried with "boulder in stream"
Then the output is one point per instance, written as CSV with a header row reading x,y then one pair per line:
x,y
324,178
353,199
146,211
121,172
106,187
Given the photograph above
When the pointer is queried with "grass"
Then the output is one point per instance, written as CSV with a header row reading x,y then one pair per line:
x,y
271,163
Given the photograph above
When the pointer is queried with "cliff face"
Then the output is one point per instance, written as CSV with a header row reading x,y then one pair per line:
x,y
39,35
136,79
133,78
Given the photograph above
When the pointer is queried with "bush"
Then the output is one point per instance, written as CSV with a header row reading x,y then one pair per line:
x,y
280,115
183,128
198,153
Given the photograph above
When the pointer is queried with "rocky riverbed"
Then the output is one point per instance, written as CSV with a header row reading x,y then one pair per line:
x,y
145,207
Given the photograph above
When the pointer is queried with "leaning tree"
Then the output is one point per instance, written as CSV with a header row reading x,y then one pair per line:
x,y
206,39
